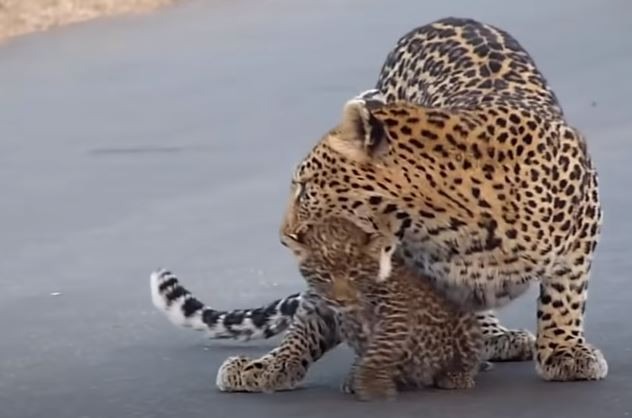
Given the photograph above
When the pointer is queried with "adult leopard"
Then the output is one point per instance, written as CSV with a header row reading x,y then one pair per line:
x,y
463,156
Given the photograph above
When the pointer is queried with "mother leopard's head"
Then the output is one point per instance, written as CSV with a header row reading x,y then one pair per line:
x,y
351,172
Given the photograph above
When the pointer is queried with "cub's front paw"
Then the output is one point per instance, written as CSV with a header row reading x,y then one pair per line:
x,y
571,362
486,366
456,380
373,388
375,392
347,385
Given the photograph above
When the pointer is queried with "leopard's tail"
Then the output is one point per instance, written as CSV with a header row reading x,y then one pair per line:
x,y
184,310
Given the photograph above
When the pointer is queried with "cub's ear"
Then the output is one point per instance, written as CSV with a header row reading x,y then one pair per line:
x,y
375,243
361,136
382,249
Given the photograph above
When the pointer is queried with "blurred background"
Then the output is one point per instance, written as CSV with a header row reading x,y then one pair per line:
x,y
168,138
21,17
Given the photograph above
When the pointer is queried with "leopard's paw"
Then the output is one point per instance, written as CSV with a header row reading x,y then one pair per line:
x,y
230,374
572,362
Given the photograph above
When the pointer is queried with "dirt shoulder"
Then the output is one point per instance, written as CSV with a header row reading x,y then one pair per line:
x,y
20,17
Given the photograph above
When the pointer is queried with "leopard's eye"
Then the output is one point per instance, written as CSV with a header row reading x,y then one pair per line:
x,y
299,191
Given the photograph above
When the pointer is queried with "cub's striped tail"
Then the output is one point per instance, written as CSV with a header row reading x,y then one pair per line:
x,y
184,310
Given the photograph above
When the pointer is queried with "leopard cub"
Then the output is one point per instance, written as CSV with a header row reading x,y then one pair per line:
x,y
404,334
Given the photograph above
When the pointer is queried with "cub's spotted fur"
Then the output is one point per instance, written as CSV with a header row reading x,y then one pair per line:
x,y
403,332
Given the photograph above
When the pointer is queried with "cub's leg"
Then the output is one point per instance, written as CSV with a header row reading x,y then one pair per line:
x,y
503,344
313,333
375,371
348,385
467,340
373,382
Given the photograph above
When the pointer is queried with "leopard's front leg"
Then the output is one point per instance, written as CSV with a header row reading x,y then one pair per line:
x,y
562,351
313,333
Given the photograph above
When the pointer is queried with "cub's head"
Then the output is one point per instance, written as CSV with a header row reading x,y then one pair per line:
x,y
342,175
334,255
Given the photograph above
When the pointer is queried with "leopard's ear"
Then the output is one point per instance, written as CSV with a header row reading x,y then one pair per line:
x,y
372,94
361,136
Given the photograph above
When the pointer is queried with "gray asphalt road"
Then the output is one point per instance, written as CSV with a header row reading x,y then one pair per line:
x,y
169,139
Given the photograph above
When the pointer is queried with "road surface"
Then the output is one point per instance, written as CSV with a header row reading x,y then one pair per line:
x,y
169,139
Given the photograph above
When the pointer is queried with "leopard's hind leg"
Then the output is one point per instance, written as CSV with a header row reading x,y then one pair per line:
x,y
502,343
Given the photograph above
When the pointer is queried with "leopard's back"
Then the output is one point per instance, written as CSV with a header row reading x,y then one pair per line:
x,y
463,63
